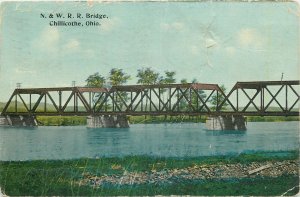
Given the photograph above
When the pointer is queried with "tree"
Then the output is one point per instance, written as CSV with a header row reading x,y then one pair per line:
x,y
118,77
95,80
182,103
147,76
169,77
194,97
183,81
216,100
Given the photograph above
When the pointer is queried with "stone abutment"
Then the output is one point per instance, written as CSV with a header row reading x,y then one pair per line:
x,y
230,122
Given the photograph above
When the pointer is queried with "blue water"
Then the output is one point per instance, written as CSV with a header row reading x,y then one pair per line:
x,y
176,140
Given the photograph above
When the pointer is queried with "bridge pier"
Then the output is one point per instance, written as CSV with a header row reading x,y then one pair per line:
x,y
18,121
107,121
229,122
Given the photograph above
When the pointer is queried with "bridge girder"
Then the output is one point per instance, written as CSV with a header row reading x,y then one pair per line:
x,y
158,99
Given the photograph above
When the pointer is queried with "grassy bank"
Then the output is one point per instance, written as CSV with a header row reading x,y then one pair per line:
x,y
61,120
61,177
78,120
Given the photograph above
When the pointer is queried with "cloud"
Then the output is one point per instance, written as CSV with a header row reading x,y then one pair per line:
x,y
110,24
194,50
230,51
248,37
21,70
73,44
172,26
50,35
48,40
89,53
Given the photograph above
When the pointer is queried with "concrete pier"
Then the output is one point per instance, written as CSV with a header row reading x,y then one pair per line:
x,y
226,123
18,121
107,121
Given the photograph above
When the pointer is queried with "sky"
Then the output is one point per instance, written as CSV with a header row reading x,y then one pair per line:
x,y
213,42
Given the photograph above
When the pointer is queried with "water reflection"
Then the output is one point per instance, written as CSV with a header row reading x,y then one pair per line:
x,y
217,133
175,140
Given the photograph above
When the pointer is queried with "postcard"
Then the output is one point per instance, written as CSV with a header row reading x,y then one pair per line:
x,y
144,98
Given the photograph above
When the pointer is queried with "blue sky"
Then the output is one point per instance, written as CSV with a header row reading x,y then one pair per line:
x,y
212,42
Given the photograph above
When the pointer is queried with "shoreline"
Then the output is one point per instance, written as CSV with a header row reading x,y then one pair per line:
x,y
73,120
259,173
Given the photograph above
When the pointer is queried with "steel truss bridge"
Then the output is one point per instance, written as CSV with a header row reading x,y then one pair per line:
x,y
257,98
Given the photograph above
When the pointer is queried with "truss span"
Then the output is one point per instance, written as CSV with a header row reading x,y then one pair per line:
x,y
258,98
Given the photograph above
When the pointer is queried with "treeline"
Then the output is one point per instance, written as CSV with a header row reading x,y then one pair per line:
x,y
147,76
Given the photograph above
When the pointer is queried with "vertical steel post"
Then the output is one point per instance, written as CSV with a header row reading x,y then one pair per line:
x,y
237,99
190,97
59,101
45,102
170,98
76,101
261,99
217,105
90,99
150,100
30,102
16,103
286,98
142,107
159,99
177,89
113,102
131,104
74,108
197,100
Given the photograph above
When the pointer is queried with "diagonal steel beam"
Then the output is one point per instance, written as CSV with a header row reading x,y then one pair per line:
x,y
143,95
152,102
204,103
189,101
38,102
102,102
159,99
8,103
84,101
67,102
251,99
23,102
179,99
53,102
123,101
207,99
132,101
274,98
169,100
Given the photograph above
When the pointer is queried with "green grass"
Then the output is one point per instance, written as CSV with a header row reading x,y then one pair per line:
x,y
165,119
80,120
272,118
60,177
61,120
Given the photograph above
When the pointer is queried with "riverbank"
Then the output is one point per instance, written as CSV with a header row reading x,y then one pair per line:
x,y
263,173
77,120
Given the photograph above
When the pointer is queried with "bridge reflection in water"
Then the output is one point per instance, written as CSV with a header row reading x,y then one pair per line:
x,y
110,106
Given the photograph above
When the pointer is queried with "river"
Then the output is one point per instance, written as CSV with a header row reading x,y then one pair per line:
x,y
175,140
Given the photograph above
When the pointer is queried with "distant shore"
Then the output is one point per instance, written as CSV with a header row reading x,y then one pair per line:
x,y
77,120
258,174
